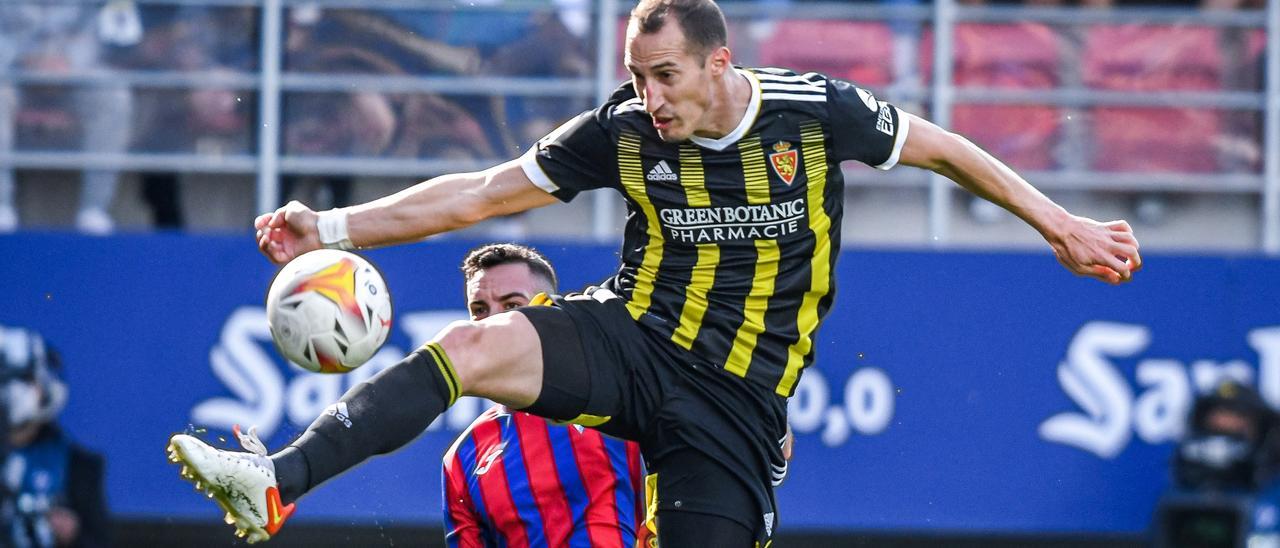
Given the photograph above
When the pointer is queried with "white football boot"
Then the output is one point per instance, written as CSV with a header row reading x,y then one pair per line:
x,y
243,484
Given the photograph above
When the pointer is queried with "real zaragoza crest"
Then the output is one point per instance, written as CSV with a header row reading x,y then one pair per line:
x,y
785,161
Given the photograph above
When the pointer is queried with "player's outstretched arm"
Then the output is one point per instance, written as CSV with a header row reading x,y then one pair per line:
x,y
442,204
1104,251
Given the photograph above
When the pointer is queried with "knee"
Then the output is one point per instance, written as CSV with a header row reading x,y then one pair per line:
x,y
460,339
495,358
464,342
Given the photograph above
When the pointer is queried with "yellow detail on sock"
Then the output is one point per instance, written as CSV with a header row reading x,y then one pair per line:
x,y
446,369
648,534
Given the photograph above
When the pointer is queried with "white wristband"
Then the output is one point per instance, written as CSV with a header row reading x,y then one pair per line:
x,y
332,225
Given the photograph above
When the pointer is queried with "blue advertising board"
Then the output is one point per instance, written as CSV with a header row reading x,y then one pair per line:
x,y
952,392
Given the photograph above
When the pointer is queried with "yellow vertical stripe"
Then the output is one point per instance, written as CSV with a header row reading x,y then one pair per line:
x,y
695,295
704,272
632,175
691,176
754,172
756,178
744,342
815,164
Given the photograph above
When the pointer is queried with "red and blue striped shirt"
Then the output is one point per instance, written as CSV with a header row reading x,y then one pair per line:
x,y
515,479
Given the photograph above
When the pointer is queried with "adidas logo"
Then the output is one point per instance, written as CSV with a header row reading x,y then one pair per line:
x,y
661,172
339,412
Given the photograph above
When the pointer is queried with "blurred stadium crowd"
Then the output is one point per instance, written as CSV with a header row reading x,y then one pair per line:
x,y
1151,107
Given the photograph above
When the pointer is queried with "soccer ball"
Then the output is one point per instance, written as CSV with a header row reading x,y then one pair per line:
x,y
328,311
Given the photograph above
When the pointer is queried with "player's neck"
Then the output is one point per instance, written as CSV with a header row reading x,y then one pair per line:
x,y
731,100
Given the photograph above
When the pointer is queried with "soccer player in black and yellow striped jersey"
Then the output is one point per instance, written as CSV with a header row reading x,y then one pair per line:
x,y
734,192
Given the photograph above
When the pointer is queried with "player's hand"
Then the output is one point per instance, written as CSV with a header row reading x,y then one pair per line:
x,y
1103,251
65,524
287,232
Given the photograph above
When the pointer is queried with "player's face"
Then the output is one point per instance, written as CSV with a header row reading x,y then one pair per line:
x,y
675,85
500,288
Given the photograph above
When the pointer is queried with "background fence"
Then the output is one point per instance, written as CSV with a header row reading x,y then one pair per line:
x,y
1155,111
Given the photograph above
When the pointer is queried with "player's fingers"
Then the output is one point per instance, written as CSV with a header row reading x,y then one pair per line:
x,y
1105,274
260,221
1123,252
277,219
274,238
1125,237
1129,254
1126,252
276,252
1119,226
1118,265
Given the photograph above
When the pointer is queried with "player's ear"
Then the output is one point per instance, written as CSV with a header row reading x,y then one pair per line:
x,y
720,60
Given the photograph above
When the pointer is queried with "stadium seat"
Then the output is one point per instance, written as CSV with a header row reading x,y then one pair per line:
x,y
861,52
1024,136
1139,58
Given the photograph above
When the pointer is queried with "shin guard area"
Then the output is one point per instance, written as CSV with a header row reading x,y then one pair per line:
x,y
376,417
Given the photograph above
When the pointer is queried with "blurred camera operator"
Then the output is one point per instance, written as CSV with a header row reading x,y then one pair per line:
x,y
1225,491
54,487
1229,443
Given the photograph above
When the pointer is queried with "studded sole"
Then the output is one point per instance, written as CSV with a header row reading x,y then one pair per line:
x,y
244,528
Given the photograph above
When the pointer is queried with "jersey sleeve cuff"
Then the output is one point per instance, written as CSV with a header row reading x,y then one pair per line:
x,y
899,139
529,163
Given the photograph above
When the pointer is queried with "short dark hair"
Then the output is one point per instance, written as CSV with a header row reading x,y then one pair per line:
x,y
491,255
701,21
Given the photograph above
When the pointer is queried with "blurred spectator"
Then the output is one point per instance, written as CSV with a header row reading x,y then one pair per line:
x,y
55,486
546,40
64,39
325,192
366,123
217,40
553,45
163,197
1240,144
370,123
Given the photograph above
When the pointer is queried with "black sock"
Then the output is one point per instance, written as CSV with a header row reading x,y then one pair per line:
x,y
292,473
376,417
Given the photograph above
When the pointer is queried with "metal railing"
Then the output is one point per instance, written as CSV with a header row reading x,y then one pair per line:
x,y
272,81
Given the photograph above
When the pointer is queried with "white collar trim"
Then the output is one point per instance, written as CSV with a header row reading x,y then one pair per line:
x,y
748,119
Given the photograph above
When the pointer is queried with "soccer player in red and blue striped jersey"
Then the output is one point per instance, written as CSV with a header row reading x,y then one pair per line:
x,y
515,479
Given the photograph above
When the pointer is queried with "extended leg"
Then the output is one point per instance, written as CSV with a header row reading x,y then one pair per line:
x,y
498,358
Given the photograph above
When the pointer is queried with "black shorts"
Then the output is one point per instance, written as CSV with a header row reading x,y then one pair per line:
x,y
692,419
